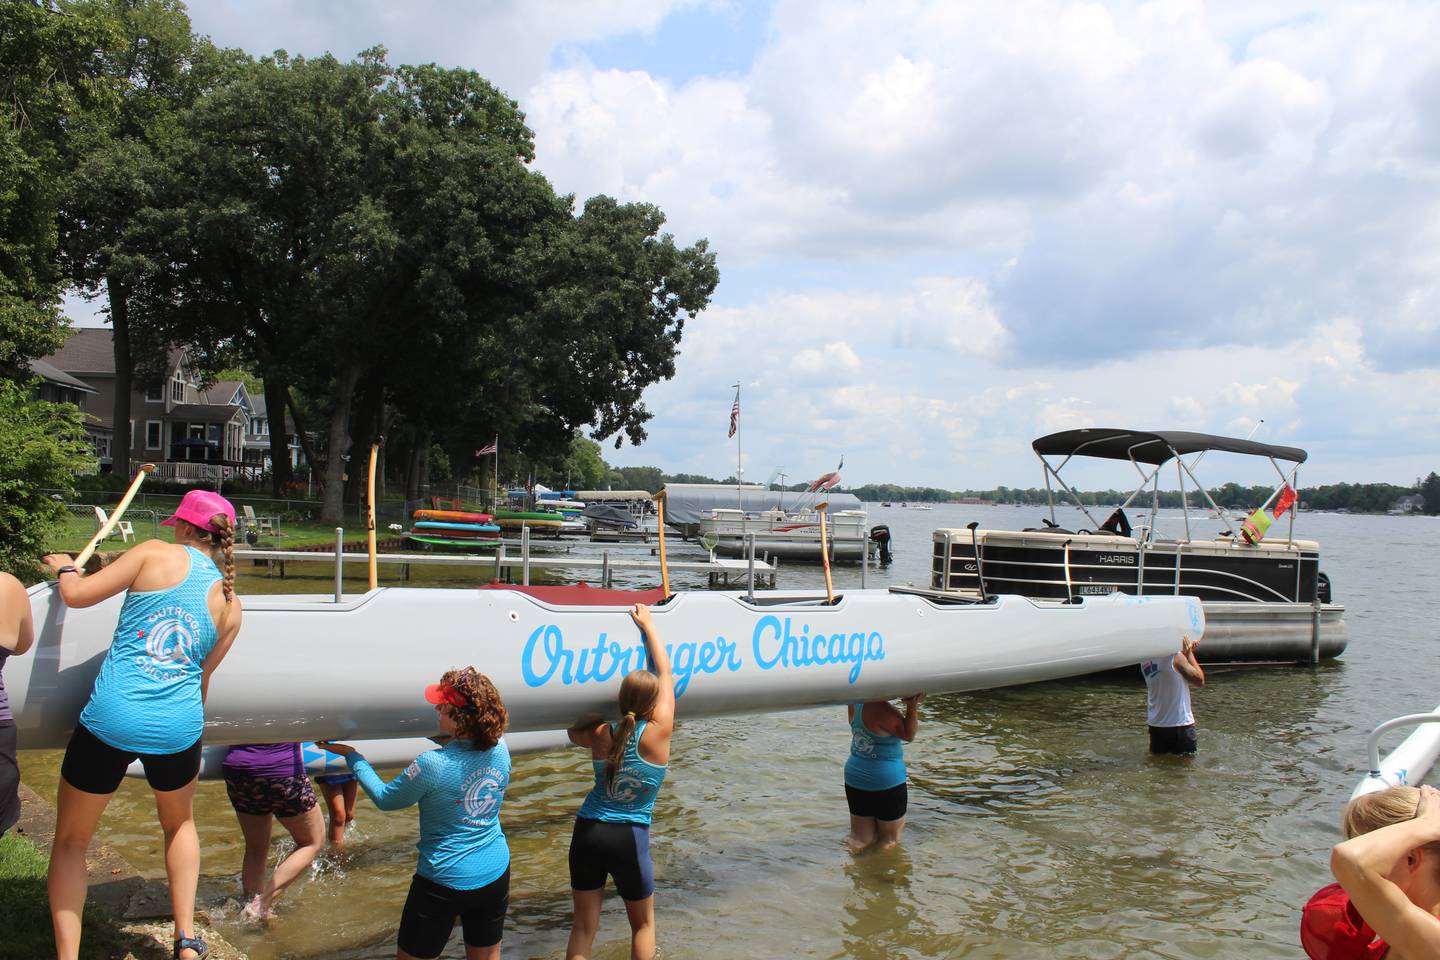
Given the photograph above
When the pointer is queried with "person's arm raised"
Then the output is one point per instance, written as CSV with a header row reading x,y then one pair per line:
x,y
664,716
1363,864
85,591
1186,663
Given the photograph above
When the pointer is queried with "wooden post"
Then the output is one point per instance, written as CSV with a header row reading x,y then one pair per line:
x,y
820,508
370,514
660,528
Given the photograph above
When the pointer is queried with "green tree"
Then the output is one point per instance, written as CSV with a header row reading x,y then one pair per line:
x,y
50,69
1430,490
43,445
155,70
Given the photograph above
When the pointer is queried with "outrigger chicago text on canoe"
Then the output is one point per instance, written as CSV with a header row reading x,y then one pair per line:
x,y
773,643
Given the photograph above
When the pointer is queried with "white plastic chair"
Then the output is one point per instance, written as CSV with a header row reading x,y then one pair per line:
x,y
123,528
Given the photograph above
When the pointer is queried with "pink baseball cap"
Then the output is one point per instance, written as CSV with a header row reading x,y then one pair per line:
x,y
198,507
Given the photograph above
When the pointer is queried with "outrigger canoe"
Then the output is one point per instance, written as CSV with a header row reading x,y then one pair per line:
x,y
310,668
461,543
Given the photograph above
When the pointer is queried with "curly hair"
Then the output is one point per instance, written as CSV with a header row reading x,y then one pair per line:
x,y
483,719
222,549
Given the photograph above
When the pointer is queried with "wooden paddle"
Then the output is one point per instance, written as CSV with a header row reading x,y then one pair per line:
x,y
659,499
370,513
825,551
108,527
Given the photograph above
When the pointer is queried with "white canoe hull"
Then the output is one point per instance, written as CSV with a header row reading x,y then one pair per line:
x,y
307,668
1408,764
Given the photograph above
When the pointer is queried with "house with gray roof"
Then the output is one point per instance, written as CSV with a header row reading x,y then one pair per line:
x,y
189,430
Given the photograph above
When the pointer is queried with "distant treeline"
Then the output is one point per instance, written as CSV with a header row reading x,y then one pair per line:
x,y
1355,497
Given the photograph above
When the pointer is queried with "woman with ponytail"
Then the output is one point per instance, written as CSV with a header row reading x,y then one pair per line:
x,y
178,621
464,868
612,830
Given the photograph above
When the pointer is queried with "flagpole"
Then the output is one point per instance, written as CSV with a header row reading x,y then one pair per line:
x,y
739,492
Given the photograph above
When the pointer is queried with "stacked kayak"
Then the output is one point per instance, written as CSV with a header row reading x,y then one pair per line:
x,y
534,519
456,529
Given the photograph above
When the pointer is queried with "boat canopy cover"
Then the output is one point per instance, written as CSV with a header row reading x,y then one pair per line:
x,y
608,514
693,502
589,495
1154,447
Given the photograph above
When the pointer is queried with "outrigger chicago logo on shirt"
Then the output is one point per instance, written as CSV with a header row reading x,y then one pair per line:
x,y
482,795
169,634
774,644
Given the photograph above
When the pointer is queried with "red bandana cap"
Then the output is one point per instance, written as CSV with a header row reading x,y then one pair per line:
x,y
1332,929
438,693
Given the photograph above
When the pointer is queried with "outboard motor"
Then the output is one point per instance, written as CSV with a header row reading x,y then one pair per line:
x,y
881,535
1322,587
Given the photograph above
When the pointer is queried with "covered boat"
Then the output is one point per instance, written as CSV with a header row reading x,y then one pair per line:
x,y
312,668
1265,596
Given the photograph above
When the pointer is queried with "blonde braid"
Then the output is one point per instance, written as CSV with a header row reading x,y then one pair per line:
x,y
223,542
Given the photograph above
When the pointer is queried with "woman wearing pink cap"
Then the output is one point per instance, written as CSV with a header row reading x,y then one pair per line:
x,y
177,623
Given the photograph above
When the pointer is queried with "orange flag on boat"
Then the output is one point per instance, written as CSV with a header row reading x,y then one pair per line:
x,y
1285,501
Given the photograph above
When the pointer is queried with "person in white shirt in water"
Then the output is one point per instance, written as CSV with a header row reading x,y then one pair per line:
x,y
1167,689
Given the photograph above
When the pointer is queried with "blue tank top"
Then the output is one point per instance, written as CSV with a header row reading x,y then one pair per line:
x,y
147,696
876,762
459,789
637,784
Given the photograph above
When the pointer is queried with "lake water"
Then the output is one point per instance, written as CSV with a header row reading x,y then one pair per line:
x,y
1038,824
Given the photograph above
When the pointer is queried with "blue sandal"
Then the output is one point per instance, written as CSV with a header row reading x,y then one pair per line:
x,y
191,943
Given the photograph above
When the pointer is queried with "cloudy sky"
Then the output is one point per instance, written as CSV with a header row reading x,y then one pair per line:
x,y
946,228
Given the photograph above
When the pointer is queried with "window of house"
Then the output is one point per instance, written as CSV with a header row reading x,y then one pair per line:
x,y
177,390
152,434
102,447
154,394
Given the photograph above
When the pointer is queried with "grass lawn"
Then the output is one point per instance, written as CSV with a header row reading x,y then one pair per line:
x,y
72,535
25,931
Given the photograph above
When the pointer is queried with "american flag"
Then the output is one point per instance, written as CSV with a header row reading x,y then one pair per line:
x,y
734,415
488,449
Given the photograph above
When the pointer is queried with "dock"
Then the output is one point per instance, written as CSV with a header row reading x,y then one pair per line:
x,y
720,572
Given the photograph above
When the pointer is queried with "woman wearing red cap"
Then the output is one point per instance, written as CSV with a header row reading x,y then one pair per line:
x,y
464,866
178,621
1388,870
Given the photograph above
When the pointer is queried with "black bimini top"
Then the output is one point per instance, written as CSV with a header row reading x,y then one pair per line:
x,y
1154,447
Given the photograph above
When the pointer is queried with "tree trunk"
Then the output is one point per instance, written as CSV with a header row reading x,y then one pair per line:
x,y
412,467
332,512
121,436
280,472
367,430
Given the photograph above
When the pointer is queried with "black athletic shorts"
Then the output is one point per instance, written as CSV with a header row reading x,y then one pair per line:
x,y
1173,739
431,909
9,778
93,766
600,848
887,805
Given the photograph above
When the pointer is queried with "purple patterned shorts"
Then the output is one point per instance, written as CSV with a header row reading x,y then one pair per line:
x,y
278,796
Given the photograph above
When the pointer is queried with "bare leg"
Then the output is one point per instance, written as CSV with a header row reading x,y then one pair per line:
x,y
77,815
255,828
587,923
862,833
350,790
182,855
888,832
308,829
641,914
334,794
482,953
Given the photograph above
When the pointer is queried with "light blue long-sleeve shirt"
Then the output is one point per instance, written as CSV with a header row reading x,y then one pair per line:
x,y
459,790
